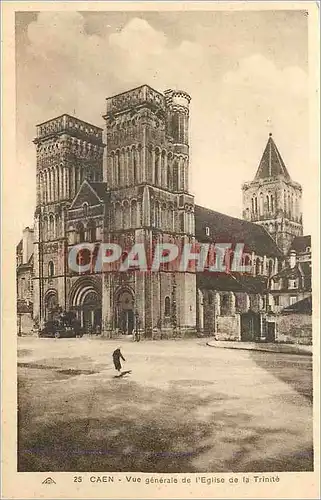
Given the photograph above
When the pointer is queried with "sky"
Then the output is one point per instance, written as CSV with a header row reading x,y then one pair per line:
x,y
247,74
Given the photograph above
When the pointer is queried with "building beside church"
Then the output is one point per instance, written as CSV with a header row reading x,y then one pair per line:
x,y
133,186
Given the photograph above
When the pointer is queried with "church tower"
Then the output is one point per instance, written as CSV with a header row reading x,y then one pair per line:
x,y
68,151
146,171
273,199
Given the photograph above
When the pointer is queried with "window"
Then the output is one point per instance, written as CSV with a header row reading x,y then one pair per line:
x,y
293,284
81,233
51,269
167,306
207,231
276,300
85,208
92,233
308,249
181,218
293,300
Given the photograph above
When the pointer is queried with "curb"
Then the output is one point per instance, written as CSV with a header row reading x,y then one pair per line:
x,y
301,353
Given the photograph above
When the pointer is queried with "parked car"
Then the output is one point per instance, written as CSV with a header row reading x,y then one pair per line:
x,y
55,329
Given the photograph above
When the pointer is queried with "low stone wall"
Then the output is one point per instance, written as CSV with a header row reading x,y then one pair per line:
x,y
169,333
25,324
294,328
228,327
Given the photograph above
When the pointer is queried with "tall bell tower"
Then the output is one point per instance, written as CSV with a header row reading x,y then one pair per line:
x,y
68,151
147,160
273,199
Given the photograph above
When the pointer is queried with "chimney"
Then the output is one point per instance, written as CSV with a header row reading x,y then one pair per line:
x,y
292,259
27,244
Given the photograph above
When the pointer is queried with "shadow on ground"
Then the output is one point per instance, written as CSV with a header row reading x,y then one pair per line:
x,y
295,370
148,439
82,424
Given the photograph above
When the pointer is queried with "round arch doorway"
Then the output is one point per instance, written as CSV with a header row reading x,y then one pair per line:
x,y
125,317
91,312
85,300
51,305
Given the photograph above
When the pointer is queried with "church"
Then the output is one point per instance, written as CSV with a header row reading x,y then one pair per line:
x,y
130,183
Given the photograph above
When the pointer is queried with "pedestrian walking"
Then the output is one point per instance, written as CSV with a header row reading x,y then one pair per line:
x,y
117,355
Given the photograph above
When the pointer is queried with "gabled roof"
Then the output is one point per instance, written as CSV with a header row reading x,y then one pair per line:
x,y
288,272
300,243
100,188
93,192
303,306
271,164
227,229
300,269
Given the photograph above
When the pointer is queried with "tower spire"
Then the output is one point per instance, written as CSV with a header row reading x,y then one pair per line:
x,y
271,164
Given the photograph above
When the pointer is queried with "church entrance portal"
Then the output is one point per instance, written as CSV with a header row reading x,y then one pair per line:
x,y
86,302
51,305
125,318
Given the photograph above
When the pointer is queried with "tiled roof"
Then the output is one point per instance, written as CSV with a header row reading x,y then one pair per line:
x,y
232,282
300,307
300,243
301,268
19,247
271,164
227,229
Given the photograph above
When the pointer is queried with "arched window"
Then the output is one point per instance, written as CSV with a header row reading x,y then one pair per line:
x,y
157,214
81,233
92,232
126,212
175,176
167,311
85,209
45,229
272,203
261,204
134,165
133,214
210,299
268,203
118,216
51,269
169,176
181,221
117,168
51,227
157,167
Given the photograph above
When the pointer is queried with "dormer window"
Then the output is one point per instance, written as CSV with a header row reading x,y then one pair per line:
x,y
293,284
207,231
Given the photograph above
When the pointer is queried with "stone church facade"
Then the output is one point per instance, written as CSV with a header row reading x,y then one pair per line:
x,y
131,184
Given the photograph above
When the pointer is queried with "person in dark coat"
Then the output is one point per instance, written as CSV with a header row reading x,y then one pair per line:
x,y
116,359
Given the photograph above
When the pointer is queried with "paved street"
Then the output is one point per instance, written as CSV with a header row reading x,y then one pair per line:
x,y
185,407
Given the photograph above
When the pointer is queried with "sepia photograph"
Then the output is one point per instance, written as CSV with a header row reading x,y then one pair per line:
x,y
164,233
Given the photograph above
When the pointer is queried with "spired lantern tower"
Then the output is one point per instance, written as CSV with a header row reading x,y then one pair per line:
x,y
68,151
273,199
146,170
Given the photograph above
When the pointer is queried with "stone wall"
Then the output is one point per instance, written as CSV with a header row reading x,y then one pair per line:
x,y
25,324
294,328
229,327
